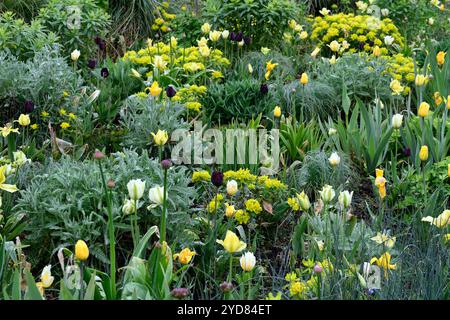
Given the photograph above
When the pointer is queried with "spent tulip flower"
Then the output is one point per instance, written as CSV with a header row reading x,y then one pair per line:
x,y
442,221
231,243
46,277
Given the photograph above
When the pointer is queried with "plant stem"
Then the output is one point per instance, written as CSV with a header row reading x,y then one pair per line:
x,y
81,281
111,233
164,210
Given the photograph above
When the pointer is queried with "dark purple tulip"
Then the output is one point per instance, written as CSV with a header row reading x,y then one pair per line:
x,y
232,36
170,91
104,72
361,46
407,152
239,37
98,40
180,293
92,63
166,164
29,106
248,40
217,178
102,46
264,89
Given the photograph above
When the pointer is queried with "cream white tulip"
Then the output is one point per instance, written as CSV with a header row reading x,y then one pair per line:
x,y
232,187
156,196
75,55
334,159
136,189
397,121
248,261
129,206
345,198
388,40
327,194
225,34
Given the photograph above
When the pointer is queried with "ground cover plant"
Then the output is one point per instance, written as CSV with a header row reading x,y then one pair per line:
x,y
224,149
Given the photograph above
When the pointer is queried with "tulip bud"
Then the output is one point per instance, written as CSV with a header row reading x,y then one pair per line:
x,y
421,80
129,207
29,106
81,250
303,201
264,89
75,55
423,154
397,120
111,184
345,199
166,164
226,287
318,269
304,79
92,63
98,155
104,72
277,112
180,293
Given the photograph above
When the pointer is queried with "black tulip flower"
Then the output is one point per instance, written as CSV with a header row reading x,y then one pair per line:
x,y
239,37
226,286
232,36
29,106
170,91
217,178
98,40
264,89
92,63
104,73
102,46
248,41
407,152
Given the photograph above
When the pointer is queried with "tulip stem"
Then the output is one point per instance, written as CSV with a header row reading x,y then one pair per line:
x,y
81,280
111,234
164,209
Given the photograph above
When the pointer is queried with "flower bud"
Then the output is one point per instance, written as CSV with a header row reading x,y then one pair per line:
x,y
81,250
180,293
166,164
98,155
226,287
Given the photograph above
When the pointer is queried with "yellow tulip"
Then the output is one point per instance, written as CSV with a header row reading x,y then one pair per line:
x,y
24,120
440,57
277,112
448,102
376,51
231,243
3,186
423,154
424,108
396,87
185,256
81,250
421,80
229,210
437,98
448,170
384,262
442,220
160,137
155,89
304,79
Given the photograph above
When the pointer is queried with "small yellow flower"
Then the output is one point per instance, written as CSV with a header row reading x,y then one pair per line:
x,y
384,239
304,79
64,125
376,51
253,205
155,89
62,112
424,109
440,57
277,112
231,243
34,126
423,154
44,114
160,138
81,250
72,116
184,256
